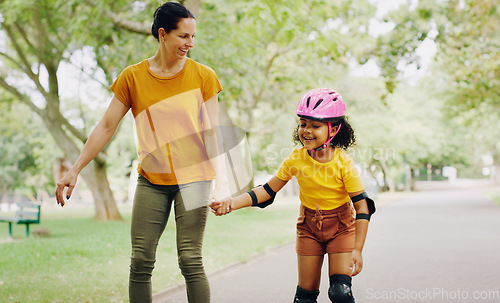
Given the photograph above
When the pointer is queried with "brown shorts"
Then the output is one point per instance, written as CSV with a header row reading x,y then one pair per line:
x,y
326,231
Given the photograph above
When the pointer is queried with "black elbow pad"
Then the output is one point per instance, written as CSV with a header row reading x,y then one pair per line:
x,y
266,203
263,204
369,202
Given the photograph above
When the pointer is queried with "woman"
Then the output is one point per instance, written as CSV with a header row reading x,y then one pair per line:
x,y
174,103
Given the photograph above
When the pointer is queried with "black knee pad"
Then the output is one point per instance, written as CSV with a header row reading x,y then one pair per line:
x,y
340,289
305,296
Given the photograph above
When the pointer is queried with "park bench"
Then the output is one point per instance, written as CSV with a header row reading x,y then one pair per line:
x,y
28,213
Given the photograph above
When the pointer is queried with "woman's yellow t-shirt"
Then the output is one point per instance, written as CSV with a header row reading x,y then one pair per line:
x,y
325,185
170,119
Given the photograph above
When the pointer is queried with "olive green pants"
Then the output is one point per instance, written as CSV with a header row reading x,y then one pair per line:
x,y
152,204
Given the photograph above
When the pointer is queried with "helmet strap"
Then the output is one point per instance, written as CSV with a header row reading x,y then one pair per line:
x,y
323,146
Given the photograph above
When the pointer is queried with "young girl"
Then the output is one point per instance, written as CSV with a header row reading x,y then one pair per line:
x,y
328,182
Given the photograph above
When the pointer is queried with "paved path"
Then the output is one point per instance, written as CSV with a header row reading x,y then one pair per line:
x,y
437,246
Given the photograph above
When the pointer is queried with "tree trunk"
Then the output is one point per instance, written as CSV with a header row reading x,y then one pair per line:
x,y
94,174
372,173
96,179
387,178
5,193
496,174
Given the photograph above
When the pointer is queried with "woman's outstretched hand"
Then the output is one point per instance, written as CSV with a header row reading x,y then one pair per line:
x,y
69,181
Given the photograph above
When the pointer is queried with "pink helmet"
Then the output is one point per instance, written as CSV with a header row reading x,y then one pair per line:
x,y
321,104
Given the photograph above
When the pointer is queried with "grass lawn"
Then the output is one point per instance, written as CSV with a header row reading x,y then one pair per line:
x,y
83,260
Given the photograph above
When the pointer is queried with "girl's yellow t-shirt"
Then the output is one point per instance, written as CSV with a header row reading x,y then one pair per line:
x,y
325,185
170,119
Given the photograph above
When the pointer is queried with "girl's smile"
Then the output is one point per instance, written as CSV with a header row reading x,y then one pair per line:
x,y
312,133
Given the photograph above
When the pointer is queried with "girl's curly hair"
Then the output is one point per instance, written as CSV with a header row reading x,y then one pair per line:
x,y
343,139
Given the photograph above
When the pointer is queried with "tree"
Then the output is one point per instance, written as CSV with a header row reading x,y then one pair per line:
x,y
44,35
469,36
26,162
466,62
39,40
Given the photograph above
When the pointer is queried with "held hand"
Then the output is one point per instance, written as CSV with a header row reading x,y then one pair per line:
x,y
69,181
221,201
356,263
223,207
214,205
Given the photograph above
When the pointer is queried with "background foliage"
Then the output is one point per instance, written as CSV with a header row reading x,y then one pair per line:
x,y
266,54
410,109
